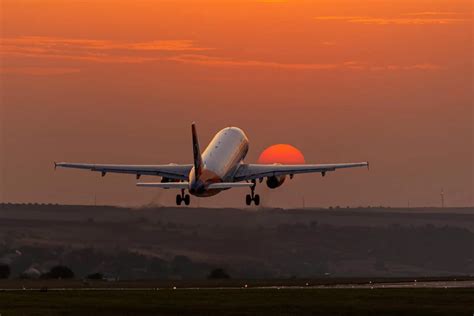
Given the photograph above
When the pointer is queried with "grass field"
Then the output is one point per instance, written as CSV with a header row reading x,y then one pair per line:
x,y
240,302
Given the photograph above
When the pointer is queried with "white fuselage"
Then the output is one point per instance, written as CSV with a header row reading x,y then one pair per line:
x,y
220,160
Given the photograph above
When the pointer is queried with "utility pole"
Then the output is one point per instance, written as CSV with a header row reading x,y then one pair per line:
x,y
442,198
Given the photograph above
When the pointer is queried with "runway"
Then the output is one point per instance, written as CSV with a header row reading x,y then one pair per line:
x,y
402,285
381,285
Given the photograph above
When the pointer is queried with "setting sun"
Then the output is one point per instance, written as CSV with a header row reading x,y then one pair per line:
x,y
281,153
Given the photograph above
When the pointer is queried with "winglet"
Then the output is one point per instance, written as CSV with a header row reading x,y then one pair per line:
x,y
196,152
368,165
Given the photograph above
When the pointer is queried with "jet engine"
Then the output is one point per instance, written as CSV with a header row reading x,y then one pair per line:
x,y
275,181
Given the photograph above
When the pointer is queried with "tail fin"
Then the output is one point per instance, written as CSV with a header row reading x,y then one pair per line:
x,y
196,152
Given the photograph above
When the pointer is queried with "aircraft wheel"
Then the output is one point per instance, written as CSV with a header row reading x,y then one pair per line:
x,y
187,199
248,199
178,199
256,199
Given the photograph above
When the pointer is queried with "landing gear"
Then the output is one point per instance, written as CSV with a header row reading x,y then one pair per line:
x,y
183,198
256,199
187,199
248,199
252,196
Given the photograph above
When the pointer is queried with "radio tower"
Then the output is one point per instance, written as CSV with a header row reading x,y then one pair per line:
x,y
442,198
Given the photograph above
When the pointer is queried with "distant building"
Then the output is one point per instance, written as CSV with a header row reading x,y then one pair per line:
x,y
31,273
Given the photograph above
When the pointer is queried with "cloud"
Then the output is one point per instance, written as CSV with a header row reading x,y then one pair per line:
x,y
54,43
140,52
87,57
347,65
339,17
433,13
418,18
424,67
407,21
176,51
227,62
39,71
328,43
103,51
421,67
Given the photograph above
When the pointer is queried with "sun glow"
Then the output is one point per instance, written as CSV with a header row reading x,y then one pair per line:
x,y
281,153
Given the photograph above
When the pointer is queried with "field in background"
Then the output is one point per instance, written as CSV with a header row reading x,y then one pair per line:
x,y
187,243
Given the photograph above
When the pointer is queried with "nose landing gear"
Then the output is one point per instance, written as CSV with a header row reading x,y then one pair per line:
x,y
252,196
183,198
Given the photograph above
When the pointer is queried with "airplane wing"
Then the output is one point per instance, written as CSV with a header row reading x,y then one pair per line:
x,y
256,171
165,185
185,185
229,185
171,171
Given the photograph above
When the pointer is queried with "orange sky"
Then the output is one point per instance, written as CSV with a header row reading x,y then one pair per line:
x,y
120,81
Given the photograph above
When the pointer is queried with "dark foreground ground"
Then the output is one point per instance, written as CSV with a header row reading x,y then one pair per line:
x,y
272,301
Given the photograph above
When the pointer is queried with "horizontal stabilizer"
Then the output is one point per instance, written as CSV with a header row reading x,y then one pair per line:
x,y
165,185
228,185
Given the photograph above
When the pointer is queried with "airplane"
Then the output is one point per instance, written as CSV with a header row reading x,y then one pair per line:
x,y
220,167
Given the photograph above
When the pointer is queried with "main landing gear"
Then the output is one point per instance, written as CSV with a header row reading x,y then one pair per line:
x,y
183,198
252,196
